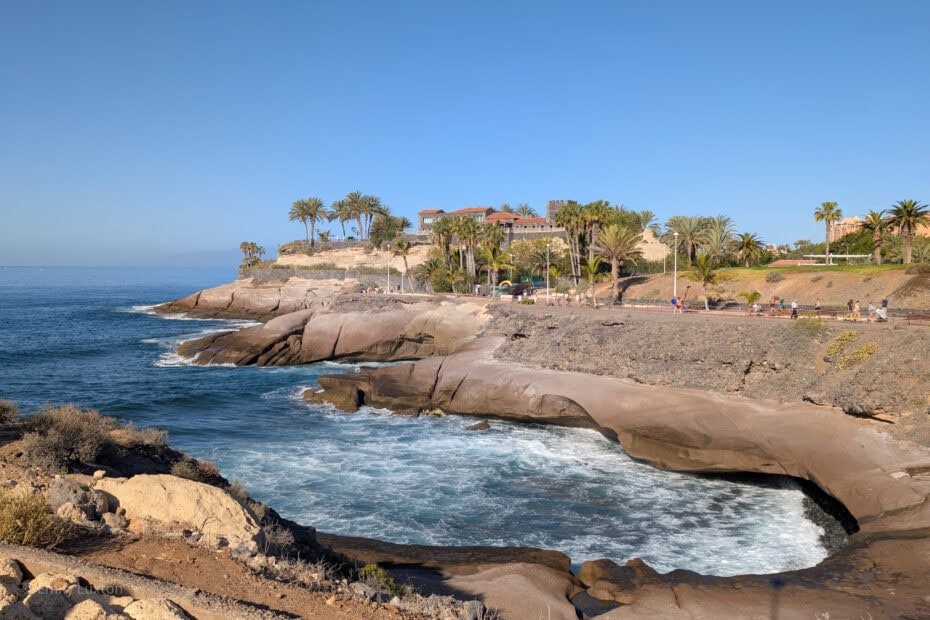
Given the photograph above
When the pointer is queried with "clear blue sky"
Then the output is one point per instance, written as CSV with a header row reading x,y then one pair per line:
x,y
130,131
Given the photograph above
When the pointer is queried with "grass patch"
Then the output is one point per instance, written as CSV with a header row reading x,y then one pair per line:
x,y
28,520
810,326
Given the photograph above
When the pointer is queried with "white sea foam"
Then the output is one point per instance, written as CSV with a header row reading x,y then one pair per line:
x,y
430,481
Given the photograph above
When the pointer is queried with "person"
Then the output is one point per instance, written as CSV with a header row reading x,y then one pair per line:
x,y
871,312
794,309
856,312
674,304
817,305
782,305
756,308
772,303
849,305
885,304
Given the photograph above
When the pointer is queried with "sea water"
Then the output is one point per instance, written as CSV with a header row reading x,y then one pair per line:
x,y
88,336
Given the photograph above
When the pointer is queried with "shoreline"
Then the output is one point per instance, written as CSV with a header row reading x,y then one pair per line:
x,y
888,499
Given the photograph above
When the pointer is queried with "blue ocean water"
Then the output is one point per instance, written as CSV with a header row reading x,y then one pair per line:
x,y
88,336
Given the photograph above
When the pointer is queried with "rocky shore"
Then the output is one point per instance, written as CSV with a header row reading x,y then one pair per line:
x,y
734,394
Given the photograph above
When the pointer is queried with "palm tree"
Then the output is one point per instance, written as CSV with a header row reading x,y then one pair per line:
x,y
402,248
907,216
591,270
876,223
442,233
339,210
646,219
525,210
506,208
618,244
750,298
748,248
370,207
354,205
595,215
493,259
469,233
829,213
921,251
431,270
492,235
323,236
691,231
309,211
718,244
251,253
570,218
703,272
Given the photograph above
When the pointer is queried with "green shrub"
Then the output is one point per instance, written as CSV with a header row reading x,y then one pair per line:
x,y
774,276
61,436
378,578
28,520
9,411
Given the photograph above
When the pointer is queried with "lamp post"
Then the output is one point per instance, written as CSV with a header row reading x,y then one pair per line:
x,y
547,274
389,269
675,272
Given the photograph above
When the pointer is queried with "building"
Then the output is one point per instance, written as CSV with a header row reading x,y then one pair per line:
x,y
516,225
843,227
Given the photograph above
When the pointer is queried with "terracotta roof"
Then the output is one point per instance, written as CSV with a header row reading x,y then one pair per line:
x,y
494,217
430,211
531,220
471,210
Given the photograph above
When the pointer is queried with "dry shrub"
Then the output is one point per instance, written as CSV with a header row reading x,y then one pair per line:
x,y
239,491
277,539
60,436
198,471
9,411
28,520
130,436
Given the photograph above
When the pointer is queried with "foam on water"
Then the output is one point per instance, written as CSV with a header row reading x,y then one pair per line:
x,y
430,481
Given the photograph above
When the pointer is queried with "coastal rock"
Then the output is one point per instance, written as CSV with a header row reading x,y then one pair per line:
x,y
480,426
248,299
154,609
66,491
521,590
407,331
167,499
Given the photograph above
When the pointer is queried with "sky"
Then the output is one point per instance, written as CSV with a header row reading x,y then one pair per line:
x,y
135,132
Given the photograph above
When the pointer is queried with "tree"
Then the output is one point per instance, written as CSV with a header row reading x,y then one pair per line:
x,y
434,271
703,272
827,212
469,234
907,216
750,298
570,218
492,261
354,205
691,233
339,210
323,235
876,224
309,211
442,233
525,210
506,208
618,244
402,248
647,219
371,207
595,215
591,270
748,248
385,228
251,253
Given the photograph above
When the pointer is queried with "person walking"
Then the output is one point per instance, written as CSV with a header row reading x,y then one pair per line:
x,y
871,315
817,305
856,312
794,309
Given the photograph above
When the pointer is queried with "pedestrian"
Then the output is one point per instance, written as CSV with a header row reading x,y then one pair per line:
x,y
794,309
849,305
772,302
782,305
871,312
856,311
817,305
885,304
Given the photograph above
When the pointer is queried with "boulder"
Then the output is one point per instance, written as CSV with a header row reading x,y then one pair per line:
x,y
67,491
155,609
521,591
167,499
17,611
91,610
10,572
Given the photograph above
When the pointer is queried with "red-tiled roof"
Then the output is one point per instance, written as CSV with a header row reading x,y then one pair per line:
x,y
531,220
494,217
471,210
430,211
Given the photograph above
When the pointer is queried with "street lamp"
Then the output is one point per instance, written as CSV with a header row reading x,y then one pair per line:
x,y
675,272
547,274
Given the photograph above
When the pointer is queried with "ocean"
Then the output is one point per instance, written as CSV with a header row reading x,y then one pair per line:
x,y
88,336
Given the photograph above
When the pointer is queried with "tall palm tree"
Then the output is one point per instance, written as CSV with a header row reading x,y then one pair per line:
x,y
339,210
431,270
907,216
506,208
828,212
401,248
691,232
371,206
492,235
354,209
876,223
595,215
309,211
571,219
525,210
442,233
646,219
703,272
718,243
748,248
618,244
469,233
